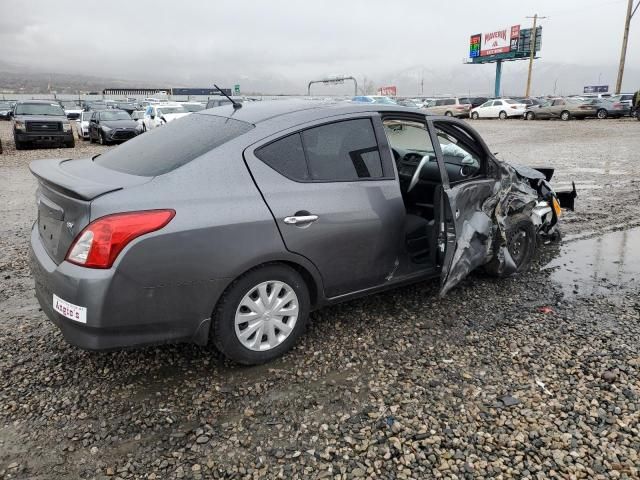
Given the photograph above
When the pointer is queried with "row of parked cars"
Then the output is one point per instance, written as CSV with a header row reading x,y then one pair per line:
x,y
538,108
105,121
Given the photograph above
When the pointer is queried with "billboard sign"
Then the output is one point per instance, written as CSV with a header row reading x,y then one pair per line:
x,y
596,89
390,91
491,43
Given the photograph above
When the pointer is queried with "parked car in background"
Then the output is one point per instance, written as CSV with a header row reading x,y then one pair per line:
x,y
562,108
192,106
112,125
474,101
624,98
138,117
405,102
379,99
607,107
82,125
95,106
5,110
71,109
230,226
501,108
128,107
41,122
162,113
451,107
527,101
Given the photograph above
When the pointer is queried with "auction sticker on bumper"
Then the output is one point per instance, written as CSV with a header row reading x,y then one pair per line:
x,y
69,310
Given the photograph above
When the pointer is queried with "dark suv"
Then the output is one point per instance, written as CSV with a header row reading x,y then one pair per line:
x,y
39,122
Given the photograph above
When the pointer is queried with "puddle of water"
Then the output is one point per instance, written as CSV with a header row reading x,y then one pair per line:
x,y
599,265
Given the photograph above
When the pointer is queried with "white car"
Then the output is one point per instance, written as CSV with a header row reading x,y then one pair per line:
x,y
71,109
161,113
82,125
501,108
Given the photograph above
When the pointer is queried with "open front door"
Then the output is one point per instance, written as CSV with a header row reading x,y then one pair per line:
x,y
466,226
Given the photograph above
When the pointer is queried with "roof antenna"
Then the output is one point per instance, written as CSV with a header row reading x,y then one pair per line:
x,y
236,105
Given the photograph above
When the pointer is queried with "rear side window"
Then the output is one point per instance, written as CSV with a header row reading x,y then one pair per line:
x,y
342,151
164,149
286,156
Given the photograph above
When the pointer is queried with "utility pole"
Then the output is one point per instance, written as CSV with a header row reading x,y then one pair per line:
x,y
625,38
532,51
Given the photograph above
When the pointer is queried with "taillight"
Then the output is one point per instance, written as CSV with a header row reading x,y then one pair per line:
x,y
100,243
617,105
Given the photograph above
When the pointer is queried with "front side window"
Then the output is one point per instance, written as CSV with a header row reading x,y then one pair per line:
x,y
459,149
341,151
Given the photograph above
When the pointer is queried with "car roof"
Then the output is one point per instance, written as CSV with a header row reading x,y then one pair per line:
x,y
38,102
257,112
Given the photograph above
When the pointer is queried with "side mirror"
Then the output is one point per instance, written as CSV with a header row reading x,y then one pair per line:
x,y
163,119
152,116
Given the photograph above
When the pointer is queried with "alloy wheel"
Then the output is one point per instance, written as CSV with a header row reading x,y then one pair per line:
x,y
518,245
266,315
602,114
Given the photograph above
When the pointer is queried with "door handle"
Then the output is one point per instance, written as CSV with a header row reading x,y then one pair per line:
x,y
300,219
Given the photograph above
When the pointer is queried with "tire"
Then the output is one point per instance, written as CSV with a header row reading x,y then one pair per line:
x,y
565,116
225,330
19,145
101,139
144,128
475,116
521,243
71,144
502,115
448,114
91,140
602,114
530,116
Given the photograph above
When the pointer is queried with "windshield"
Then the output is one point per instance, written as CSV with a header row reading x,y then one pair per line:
x,y
98,106
86,116
137,114
193,107
114,115
171,110
511,102
52,109
5,106
162,150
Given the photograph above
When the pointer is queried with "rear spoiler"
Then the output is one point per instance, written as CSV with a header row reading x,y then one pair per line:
x,y
79,178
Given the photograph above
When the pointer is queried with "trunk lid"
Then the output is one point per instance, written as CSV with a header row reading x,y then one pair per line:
x,y
65,190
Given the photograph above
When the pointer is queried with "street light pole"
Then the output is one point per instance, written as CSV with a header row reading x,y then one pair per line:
x,y
625,38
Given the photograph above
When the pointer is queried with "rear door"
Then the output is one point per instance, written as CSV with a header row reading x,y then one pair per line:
x,y
333,194
469,180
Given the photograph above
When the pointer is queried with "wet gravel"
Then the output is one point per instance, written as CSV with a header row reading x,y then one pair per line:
x,y
501,379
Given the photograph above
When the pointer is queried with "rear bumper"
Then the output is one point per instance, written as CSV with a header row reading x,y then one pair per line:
x,y
40,137
120,312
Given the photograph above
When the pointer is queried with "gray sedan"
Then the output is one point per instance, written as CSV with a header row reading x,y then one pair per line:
x,y
231,225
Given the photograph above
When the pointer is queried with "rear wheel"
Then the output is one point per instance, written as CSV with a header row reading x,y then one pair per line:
x,y
101,138
261,315
565,115
19,145
602,114
70,144
448,114
474,115
502,115
521,243
530,116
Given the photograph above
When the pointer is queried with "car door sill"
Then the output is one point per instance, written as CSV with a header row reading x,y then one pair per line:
x,y
425,274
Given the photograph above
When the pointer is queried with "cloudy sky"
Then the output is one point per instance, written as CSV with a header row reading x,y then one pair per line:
x,y
279,45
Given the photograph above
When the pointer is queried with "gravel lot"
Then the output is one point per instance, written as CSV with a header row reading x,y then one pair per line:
x,y
516,378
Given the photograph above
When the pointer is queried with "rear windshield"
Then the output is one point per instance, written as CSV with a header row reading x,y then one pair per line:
x,y
166,148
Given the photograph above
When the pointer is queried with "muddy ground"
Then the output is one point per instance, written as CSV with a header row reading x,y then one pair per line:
x,y
536,376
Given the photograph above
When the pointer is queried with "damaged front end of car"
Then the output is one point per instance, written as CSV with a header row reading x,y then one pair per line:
x,y
484,229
